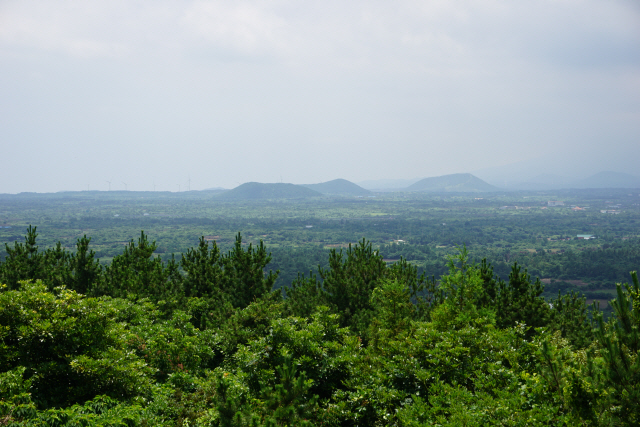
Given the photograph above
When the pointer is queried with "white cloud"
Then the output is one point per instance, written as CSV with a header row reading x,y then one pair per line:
x,y
245,27
70,28
410,35
448,84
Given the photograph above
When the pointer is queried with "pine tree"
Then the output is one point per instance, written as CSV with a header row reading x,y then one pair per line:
x,y
137,273
23,261
304,296
520,301
56,267
288,403
569,316
85,268
349,281
620,340
203,270
244,278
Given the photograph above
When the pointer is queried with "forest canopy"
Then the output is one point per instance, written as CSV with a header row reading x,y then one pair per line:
x,y
205,340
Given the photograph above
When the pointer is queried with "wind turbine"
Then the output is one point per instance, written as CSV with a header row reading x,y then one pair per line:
x,y
109,185
178,187
125,186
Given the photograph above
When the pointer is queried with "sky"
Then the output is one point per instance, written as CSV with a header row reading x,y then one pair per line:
x,y
172,95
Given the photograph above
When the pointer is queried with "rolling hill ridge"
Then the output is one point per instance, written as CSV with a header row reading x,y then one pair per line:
x,y
340,187
457,182
260,191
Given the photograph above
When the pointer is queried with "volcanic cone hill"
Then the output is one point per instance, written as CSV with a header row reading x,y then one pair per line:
x,y
260,191
457,182
340,187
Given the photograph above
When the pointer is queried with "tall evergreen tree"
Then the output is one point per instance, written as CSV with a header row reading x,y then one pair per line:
x,y
56,267
244,278
349,281
569,316
519,301
136,272
620,340
203,270
23,261
85,268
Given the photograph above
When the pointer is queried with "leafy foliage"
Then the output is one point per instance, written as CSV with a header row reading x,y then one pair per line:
x,y
207,342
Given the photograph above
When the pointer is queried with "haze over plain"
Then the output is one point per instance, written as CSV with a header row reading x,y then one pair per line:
x,y
154,94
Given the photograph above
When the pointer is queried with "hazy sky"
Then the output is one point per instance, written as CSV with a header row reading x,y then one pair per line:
x,y
224,92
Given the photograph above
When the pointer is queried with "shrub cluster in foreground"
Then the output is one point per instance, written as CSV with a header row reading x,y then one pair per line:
x,y
205,342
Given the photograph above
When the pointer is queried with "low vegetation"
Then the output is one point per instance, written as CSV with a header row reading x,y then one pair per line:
x,y
204,340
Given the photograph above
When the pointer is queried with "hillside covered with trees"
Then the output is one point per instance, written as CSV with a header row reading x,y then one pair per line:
x,y
457,182
203,340
340,187
260,191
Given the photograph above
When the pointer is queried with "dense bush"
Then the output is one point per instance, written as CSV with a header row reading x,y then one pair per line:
x,y
204,341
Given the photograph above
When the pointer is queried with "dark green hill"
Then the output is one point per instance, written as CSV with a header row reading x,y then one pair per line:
x,y
340,187
260,191
457,182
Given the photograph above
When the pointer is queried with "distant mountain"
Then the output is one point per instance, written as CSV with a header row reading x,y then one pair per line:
x,y
599,180
552,180
532,186
457,182
387,184
340,187
608,179
541,182
570,165
259,191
